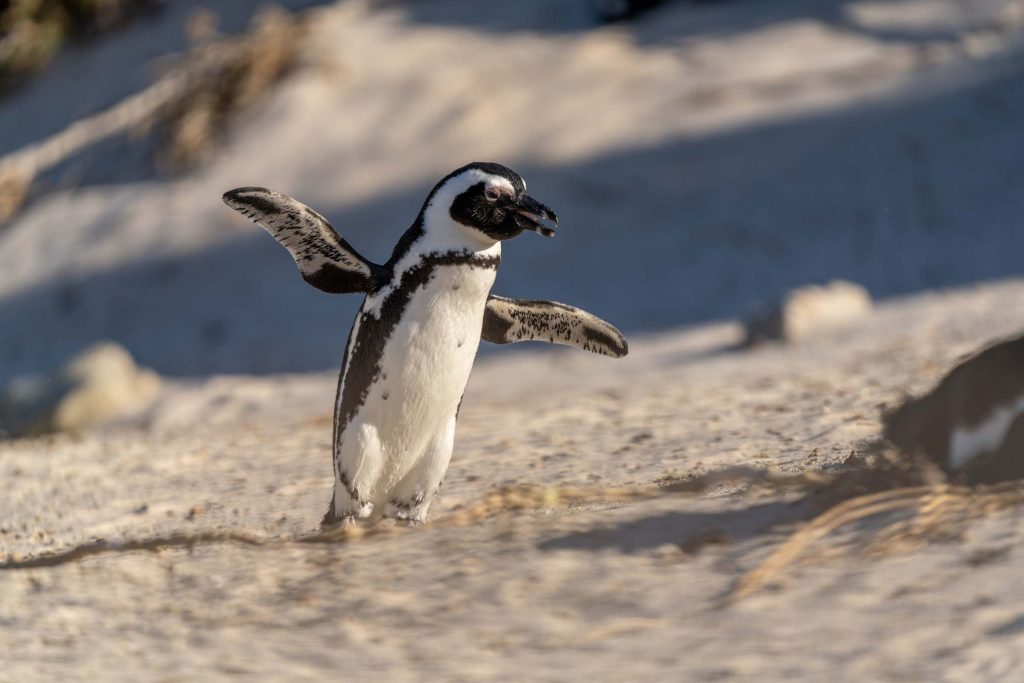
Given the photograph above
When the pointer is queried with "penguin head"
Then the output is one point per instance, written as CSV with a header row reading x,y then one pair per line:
x,y
490,200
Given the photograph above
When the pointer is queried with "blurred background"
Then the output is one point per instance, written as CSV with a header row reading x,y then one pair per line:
x,y
707,160
704,157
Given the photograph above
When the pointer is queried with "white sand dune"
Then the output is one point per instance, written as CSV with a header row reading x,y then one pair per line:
x,y
703,160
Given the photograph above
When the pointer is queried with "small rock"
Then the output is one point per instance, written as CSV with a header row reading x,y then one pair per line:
x,y
666,551
100,384
810,310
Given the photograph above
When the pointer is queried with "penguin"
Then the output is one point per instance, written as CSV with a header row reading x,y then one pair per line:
x,y
972,423
411,348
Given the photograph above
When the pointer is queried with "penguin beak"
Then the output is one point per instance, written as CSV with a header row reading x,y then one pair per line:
x,y
530,214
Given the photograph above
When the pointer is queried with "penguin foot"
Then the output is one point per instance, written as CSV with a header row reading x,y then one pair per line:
x,y
333,520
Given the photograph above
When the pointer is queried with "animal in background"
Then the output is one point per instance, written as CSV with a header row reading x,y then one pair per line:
x,y
972,423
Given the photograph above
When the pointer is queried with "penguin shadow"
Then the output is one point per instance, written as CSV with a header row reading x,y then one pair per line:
x,y
878,469
879,493
689,531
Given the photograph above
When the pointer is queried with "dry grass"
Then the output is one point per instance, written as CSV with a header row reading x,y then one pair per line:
x,y
933,513
34,30
188,107
226,77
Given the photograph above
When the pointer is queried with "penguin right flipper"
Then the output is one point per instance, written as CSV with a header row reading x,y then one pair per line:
x,y
325,260
514,320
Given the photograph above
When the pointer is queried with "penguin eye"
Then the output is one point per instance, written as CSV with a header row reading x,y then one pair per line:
x,y
491,194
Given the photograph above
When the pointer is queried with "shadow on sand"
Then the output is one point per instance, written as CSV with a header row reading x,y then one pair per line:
x,y
674,21
902,196
688,530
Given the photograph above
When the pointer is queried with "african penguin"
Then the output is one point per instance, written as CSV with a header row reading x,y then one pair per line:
x,y
972,423
412,346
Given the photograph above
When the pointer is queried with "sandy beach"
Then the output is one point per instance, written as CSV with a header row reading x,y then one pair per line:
x,y
704,159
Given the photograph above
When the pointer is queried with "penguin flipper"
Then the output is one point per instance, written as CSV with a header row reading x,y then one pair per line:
x,y
514,320
325,260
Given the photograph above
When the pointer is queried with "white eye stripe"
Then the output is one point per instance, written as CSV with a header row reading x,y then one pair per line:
x,y
499,185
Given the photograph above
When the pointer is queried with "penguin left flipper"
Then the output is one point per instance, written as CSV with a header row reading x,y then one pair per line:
x,y
325,260
514,320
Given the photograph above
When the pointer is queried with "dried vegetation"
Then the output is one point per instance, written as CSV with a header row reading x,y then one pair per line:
x,y
188,107
34,30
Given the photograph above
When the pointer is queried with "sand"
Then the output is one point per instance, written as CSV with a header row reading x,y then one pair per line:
x,y
605,588
703,159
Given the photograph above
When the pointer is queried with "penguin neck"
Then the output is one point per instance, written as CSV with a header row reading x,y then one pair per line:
x,y
442,233
422,248
436,234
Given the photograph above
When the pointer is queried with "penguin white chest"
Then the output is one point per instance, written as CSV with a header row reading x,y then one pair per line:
x,y
424,368
431,351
